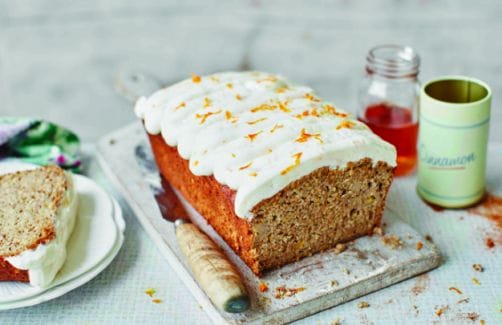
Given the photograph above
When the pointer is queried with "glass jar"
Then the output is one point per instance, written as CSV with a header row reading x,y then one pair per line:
x,y
388,100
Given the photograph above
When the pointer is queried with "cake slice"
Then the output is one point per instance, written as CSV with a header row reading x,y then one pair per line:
x,y
37,215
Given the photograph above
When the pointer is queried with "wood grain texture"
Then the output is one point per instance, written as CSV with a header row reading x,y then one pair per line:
x,y
214,273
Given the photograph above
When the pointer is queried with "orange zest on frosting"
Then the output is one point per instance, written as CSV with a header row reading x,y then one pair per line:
x,y
283,106
207,102
263,107
257,121
229,85
297,157
253,174
238,97
195,163
312,98
195,78
204,117
277,126
182,104
214,78
252,136
330,109
268,78
246,166
345,124
304,136
281,90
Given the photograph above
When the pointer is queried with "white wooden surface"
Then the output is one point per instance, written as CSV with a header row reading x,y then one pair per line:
x,y
59,60
366,266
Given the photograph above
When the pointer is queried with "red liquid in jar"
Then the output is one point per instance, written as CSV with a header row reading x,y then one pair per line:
x,y
395,125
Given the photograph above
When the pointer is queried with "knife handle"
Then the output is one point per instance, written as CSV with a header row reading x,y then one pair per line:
x,y
214,273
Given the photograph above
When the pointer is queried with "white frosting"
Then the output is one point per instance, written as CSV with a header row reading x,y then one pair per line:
x,y
44,262
245,128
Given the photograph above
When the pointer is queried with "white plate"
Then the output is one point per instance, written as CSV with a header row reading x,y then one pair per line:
x,y
96,240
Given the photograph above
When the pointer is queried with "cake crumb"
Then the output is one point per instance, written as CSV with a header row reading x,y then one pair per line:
x,y
476,281
156,300
150,292
263,287
489,243
462,301
346,270
378,231
363,304
472,316
482,322
339,248
478,267
334,283
439,312
393,241
419,245
111,142
428,238
282,292
457,290
336,322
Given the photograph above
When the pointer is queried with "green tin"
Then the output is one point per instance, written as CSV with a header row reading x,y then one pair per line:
x,y
453,137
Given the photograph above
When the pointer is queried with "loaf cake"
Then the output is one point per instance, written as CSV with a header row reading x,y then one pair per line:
x,y
37,215
279,173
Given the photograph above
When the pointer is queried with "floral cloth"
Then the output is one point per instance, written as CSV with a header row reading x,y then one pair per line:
x,y
39,142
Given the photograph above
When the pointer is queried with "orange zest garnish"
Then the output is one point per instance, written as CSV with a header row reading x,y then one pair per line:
x,y
304,136
419,245
214,78
345,124
252,136
230,117
281,90
269,150
195,163
195,78
297,157
156,300
234,155
283,106
238,97
277,126
229,85
246,166
182,104
268,78
307,113
207,102
330,109
263,287
253,174
457,290
203,117
150,292
263,107
311,97
257,121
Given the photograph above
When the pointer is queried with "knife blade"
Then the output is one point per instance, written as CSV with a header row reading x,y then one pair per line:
x,y
213,271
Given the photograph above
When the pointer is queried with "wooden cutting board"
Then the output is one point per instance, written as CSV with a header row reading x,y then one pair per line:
x,y
296,290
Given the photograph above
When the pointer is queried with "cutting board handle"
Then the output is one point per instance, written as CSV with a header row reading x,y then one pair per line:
x,y
214,273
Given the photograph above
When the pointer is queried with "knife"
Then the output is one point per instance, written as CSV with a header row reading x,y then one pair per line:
x,y
211,268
